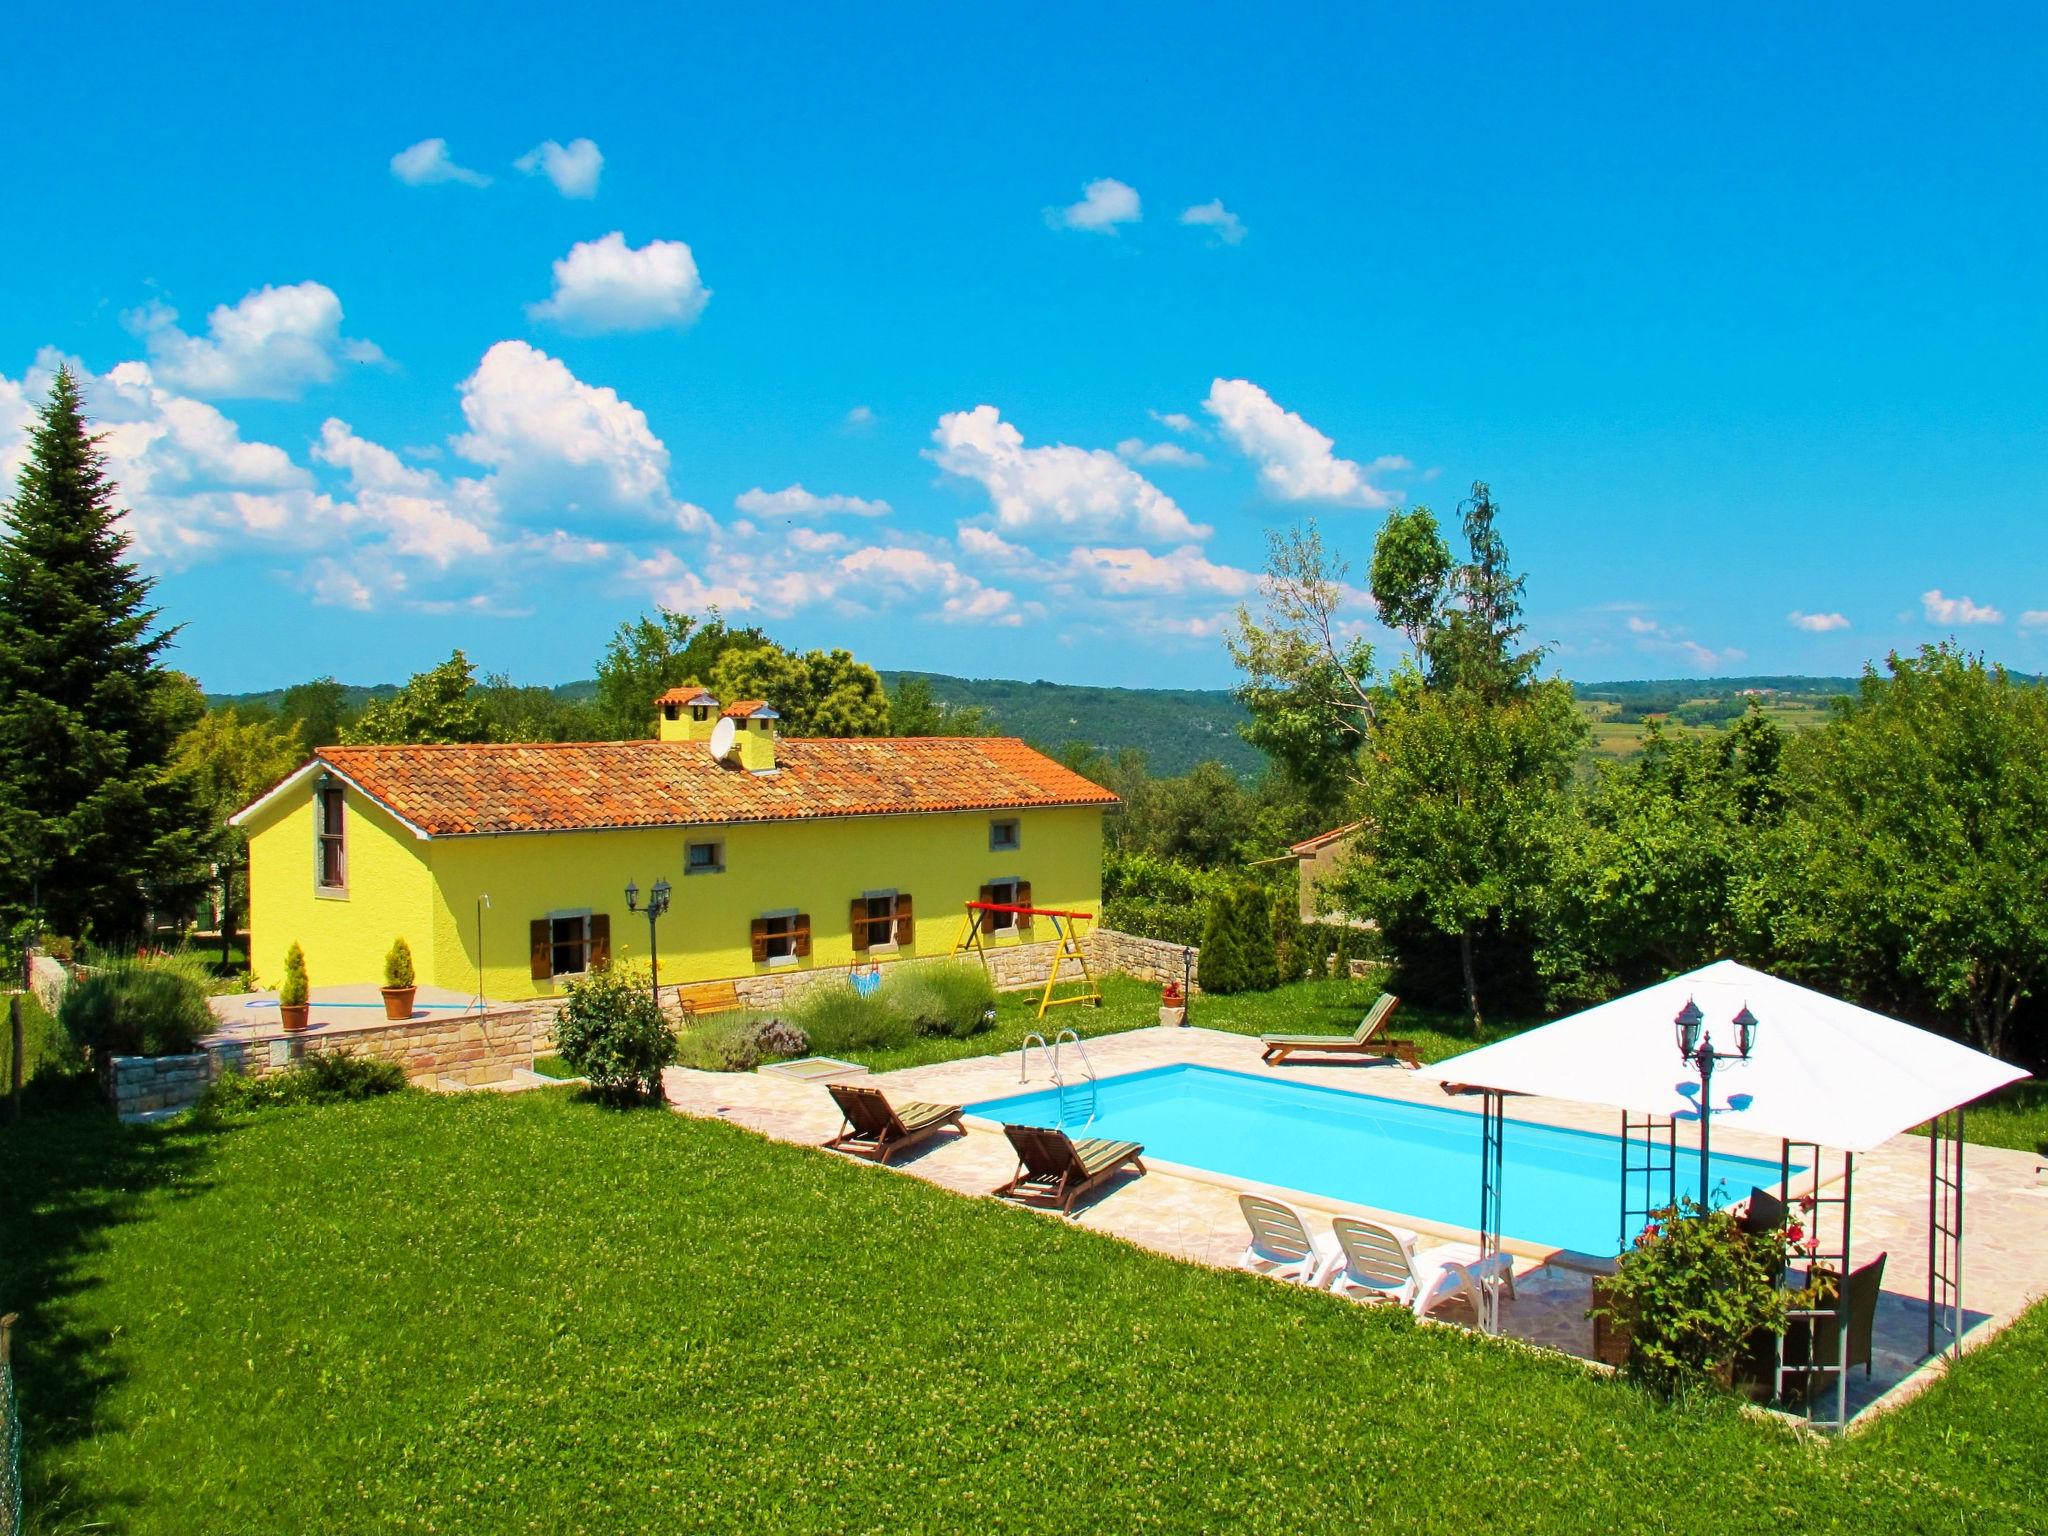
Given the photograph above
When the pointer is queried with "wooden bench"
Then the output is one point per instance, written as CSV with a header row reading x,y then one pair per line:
x,y
697,998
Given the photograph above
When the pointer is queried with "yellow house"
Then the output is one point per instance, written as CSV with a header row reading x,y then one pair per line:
x,y
505,867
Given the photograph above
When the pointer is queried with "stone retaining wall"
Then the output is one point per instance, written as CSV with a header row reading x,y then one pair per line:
x,y
148,1085
1149,959
471,1048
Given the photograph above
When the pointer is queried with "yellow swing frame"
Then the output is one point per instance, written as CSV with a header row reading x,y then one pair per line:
x,y
1069,929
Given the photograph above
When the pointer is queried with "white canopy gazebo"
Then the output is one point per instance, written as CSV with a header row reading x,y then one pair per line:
x,y
1819,1073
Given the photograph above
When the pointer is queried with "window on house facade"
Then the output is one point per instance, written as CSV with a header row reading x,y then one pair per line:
x,y
1006,893
704,858
781,938
331,811
569,944
881,920
1005,835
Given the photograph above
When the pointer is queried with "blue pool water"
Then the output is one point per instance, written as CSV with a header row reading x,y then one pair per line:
x,y
1559,1187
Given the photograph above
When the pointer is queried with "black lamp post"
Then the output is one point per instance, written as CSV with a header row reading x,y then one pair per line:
x,y
657,903
1187,985
1696,1048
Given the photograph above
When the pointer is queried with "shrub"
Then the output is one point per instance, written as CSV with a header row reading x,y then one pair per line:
x,y
1222,964
398,970
839,1019
321,1079
154,1007
611,1032
1252,910
1692,1290
950,999
740,1042
295,990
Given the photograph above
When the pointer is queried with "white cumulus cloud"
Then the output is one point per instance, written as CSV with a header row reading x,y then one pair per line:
x,y
1104,205
1136,450
1079,493
556,443
1182,570
1296,462
573,167
2034,618
795,501
1224,227
270,345
427,162
1957,610
606,285
1816,623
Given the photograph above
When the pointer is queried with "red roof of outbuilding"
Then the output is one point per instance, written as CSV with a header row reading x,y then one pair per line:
x,y
456,791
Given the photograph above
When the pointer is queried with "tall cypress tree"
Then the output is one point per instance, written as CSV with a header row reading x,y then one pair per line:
x,y
96,828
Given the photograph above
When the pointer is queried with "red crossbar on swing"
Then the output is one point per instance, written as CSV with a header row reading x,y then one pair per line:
x,y
1069,929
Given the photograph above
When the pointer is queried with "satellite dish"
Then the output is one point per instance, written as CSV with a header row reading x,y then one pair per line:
x,y
722,735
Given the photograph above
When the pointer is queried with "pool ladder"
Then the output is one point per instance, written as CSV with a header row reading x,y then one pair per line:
x,y
1078,1106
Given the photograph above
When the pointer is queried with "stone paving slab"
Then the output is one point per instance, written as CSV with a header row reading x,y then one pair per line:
x,y
1193,1215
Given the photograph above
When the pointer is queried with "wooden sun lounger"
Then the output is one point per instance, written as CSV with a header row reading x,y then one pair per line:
x,y
1062,1171
1367,1040
875,1128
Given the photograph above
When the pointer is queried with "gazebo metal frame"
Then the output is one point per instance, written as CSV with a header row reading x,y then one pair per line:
x,y
1944,1228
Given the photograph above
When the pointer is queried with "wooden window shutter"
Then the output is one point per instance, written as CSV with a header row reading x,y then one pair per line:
x,y
988,919
540,947
800,936
905,932
1023,900
859,921
600,941
758,935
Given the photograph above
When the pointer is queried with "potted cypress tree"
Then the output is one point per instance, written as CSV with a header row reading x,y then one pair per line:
x,y
296,993
399,986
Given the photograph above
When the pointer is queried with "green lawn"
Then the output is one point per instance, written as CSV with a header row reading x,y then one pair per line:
x,y
496,1314
43,1043
2013,1117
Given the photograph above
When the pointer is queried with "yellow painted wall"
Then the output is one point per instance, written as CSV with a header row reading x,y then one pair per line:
x,y
390,893
816,867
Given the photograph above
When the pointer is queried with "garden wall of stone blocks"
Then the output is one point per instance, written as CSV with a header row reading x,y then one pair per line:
x,y
471,1048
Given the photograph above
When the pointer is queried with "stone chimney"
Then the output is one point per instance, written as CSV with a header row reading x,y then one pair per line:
x,y
685,714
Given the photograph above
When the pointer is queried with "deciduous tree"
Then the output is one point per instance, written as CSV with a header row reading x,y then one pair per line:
x,y
439,705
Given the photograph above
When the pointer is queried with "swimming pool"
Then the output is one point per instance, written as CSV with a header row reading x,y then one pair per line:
x,y
1560,1188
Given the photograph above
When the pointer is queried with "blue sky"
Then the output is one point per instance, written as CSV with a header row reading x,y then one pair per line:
x,y
1741,315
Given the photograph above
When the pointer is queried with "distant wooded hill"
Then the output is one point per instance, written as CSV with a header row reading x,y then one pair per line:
x,y
1177,728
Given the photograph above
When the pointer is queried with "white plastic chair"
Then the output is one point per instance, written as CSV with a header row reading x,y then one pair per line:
x,y
1376,1262
1281,1244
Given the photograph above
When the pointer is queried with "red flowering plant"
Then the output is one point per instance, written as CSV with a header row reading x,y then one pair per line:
x,y
1693,1291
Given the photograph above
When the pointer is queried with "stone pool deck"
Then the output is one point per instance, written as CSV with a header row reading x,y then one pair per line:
x,y
1192,1215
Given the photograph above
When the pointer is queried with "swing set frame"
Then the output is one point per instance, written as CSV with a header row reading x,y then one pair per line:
x,y
1069,929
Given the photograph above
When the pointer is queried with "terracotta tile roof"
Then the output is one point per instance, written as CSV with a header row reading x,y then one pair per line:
x,y
689,693
741,709
453,791
1322,840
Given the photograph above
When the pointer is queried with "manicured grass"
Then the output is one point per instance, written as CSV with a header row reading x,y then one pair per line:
x,y
2015,1117
554,1066
488,1313
44,1046
1299,1008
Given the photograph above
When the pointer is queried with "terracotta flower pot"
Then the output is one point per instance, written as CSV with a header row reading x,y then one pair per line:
x,y
294,1015
398,1002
